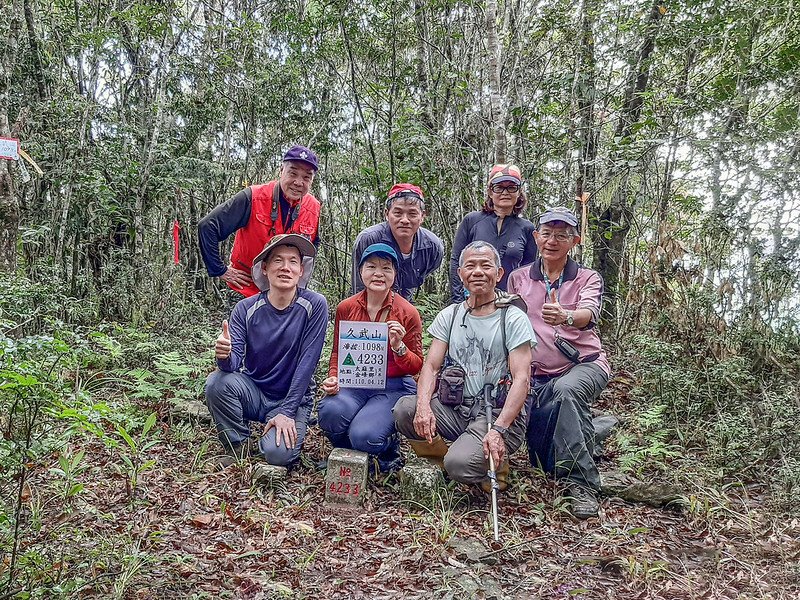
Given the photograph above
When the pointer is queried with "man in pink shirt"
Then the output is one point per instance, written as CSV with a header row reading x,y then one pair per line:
x,y
569,369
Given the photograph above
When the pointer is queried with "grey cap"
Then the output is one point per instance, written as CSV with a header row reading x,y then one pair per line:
x,y
558,213
304,247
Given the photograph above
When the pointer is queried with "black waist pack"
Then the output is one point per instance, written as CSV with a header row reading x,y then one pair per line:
x,y
567,349
450,385
502,391
571,352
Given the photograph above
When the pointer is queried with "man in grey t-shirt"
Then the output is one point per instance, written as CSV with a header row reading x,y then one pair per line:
x,y
471,335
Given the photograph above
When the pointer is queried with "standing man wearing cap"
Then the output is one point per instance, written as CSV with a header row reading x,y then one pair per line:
x,y
258,213
362,419
266,357
419,251
499,222
569,369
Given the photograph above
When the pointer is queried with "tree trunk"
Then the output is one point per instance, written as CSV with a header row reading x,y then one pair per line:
x,y
584,118
359,109
38,71
9,208
422,65
497,113
614,220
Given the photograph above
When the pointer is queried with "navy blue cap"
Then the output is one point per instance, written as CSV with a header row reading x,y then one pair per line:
x,y
302,154
381,250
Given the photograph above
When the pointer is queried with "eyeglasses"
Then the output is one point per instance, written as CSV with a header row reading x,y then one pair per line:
x,y
499,189
561,236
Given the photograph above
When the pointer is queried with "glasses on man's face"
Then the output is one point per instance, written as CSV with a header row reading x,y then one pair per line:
x,y
560,236
499,188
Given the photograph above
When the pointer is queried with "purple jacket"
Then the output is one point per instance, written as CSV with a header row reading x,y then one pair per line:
x,y
278,349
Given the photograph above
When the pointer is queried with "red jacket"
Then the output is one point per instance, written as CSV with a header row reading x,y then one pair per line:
x,y
395,308
251,239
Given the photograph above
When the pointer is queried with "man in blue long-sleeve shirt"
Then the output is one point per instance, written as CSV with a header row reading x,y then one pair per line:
x,y
267,355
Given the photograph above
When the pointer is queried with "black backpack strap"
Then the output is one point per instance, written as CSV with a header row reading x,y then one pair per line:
x,y
447,360
503,313
452,322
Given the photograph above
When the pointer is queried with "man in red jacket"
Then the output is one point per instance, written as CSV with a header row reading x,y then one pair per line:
x,y
256,215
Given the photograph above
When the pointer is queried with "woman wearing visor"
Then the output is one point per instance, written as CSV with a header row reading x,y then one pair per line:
x,y
499,223
362,419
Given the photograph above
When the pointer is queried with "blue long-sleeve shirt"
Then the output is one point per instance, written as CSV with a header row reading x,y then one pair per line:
x,y
278,349
427,253
514,243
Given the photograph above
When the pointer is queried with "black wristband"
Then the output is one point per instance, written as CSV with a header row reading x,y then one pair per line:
x,y
501,430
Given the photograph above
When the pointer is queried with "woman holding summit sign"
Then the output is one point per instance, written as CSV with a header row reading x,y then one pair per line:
x,y
498,223
362,419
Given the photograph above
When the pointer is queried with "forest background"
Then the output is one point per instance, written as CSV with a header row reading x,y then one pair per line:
x,y
676,125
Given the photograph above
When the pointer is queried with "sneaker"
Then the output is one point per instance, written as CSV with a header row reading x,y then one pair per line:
x,y
581,501
390,460
233,456
387,466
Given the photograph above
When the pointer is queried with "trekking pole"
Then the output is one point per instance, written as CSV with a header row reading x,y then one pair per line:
x,y
487,402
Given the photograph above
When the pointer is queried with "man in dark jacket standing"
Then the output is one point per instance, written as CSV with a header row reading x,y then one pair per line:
x,y
256,215
420,252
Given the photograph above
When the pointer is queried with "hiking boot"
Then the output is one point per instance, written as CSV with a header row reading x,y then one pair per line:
x,y
270,476
433,452
581,501
378,465
389,461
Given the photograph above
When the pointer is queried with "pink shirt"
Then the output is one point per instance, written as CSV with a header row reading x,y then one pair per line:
x,y
580,288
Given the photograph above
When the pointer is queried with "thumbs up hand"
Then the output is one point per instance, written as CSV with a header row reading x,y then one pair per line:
x,y
552,312
222,348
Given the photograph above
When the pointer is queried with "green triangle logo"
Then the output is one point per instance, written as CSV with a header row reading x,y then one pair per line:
x,y
348,361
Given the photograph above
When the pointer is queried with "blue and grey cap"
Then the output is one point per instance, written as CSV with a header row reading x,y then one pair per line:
x,y
558,213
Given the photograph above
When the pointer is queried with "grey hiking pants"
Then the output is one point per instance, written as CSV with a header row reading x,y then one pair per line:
x,y
233,400
464,461
573,439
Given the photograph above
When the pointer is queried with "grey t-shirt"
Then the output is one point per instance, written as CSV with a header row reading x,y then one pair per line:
x,y
478,346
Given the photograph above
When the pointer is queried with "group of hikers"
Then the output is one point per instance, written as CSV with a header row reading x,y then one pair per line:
x,y
520,333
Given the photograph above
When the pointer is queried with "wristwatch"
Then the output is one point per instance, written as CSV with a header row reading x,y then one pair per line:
x,y
501,430
401,351
570,318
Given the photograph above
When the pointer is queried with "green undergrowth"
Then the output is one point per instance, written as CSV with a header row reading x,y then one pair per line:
x,y
67,384
83,400
713,420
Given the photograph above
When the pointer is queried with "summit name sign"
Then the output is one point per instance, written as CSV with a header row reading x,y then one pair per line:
x,y
363,354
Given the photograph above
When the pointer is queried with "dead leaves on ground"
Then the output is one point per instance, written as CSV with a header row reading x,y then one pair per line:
x,y
200,532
